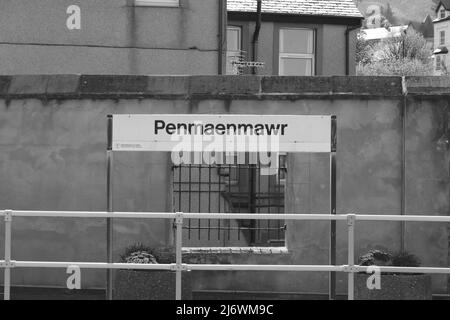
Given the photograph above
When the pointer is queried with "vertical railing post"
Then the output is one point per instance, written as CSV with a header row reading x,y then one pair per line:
x,y
7,271
351,219
333,199
109,208
178,253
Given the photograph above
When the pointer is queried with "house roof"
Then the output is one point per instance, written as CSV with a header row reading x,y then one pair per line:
x,y
441,20
426,27
383,33
445,3
331,8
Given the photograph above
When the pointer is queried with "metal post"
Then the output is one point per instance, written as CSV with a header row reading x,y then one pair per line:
x,y
252,198
7,274
109,221
351,219
403,165
332,276
178,254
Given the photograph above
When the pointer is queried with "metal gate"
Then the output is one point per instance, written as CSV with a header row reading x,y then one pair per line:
x,y
230,188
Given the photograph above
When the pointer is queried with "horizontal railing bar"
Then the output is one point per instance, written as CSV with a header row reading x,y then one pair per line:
x,y
92,265
93,214
405,218
168,215
225,267
227,216
245,267
387,269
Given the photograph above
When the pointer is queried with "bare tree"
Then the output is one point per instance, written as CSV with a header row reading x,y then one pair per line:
x,y
408,54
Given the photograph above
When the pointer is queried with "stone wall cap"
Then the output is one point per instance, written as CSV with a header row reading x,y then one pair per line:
x,y
211,87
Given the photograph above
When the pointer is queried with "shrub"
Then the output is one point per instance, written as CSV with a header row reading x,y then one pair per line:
x,y
375,258
140,254
381,258
405,259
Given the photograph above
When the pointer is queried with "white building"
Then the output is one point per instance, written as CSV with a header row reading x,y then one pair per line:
x,y
441,37
379,34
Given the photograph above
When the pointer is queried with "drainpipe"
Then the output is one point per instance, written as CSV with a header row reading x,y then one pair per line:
x,y
256,34
347,46
222,34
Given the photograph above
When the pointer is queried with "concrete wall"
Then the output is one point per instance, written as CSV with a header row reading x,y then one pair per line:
x,y
116,37
53,157
330,46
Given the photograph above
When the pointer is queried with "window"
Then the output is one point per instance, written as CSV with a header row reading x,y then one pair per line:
x,y
442,13
438,63
242,187
442,38
234,48
157,3
296,52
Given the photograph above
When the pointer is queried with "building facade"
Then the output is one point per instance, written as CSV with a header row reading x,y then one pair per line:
x,y
301,38
441,34
111,37
176,37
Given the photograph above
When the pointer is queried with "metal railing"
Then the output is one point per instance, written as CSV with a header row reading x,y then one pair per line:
x,y
178,267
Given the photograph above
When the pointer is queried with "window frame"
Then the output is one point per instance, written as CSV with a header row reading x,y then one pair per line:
x,y
311,56
157,3
240,42
438,63
442,37
442,13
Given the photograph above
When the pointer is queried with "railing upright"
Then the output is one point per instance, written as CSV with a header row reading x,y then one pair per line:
x,y
178,254
7,271
351,220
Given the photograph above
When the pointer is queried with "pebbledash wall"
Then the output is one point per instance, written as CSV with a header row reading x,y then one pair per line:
x,y
113,37
53,157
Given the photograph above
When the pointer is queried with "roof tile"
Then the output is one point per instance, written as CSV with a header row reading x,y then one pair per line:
x,y
334,8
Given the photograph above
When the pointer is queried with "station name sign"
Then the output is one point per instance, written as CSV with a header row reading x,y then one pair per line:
x,y
227,133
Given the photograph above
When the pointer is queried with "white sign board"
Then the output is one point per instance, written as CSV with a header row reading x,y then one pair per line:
x,y
163,132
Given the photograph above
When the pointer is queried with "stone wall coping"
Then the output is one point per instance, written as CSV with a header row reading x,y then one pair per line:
x,y
74,86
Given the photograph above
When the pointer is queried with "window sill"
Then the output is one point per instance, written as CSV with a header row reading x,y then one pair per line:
x,y
236,250
147,3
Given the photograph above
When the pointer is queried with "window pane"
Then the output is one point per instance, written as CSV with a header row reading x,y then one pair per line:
x,y
233,49
296,41
295,67
233,39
